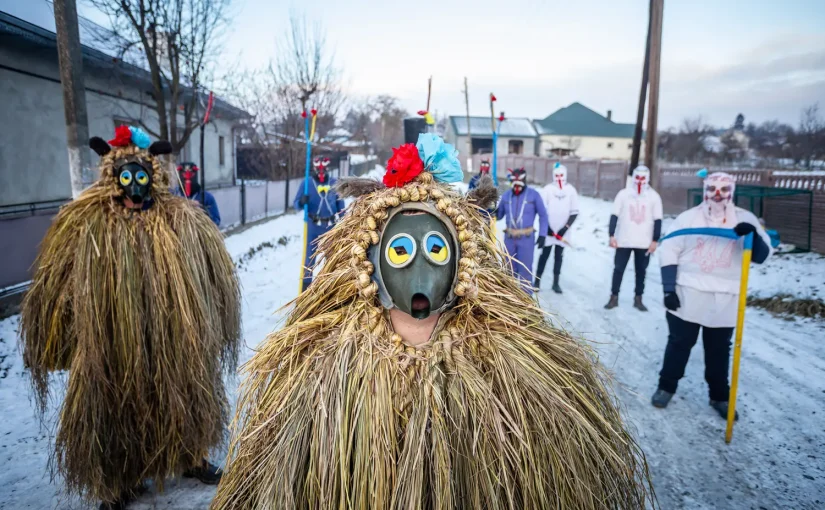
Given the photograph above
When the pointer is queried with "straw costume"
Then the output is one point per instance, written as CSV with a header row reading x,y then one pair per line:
x,y
135,295
497,410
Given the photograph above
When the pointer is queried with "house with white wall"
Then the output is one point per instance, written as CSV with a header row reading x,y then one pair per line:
x,y
578,131
516,136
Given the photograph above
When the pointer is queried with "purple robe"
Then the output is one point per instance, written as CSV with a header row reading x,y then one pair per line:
x,y
520,211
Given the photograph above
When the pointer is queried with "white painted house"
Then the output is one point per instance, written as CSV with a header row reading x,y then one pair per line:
x,y
516,136
576,130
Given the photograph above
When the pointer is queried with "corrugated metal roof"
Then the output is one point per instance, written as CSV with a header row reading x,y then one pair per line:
x,y
480,126
579,120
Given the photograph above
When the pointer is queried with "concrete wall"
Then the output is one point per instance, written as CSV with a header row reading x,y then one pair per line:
x,y
595,147
34,163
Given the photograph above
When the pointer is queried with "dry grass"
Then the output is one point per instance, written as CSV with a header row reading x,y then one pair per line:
x,y
499,411
143,309
785,304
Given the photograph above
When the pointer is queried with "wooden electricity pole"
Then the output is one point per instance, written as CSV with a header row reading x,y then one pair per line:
x,y
469,136
640,114
656,17
74,93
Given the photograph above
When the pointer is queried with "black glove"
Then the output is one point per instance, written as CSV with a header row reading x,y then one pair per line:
x,y
744,229
562,231
550,232
304,200
540,242
672,301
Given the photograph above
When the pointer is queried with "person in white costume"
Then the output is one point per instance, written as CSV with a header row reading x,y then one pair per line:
x,y
635,227
700,276
562,204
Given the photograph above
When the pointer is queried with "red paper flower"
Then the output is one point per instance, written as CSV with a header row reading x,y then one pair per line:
x,y
492,97
314,112
404,165
304,114
123,137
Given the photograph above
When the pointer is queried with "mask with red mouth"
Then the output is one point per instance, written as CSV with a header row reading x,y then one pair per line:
x,y
319,169
718,204
484,167
518,179
559,175
189,174
640,179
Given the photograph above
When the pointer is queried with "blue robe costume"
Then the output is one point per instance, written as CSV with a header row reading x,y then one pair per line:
x,y
325,207
209,204
520,212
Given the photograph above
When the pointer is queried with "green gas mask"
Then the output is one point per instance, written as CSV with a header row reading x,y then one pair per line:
x,y
416,260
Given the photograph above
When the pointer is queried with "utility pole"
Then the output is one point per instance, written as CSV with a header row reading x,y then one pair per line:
x,y
656,18
640,115
469,136
74,93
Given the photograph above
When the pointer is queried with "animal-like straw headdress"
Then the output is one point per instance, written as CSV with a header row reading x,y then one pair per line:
x,y
498,410
141,304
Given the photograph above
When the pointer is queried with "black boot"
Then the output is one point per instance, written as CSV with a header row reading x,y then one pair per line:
x,y
721,407
613,303
124,499
556,287
661,398
207,473
637,304
537,282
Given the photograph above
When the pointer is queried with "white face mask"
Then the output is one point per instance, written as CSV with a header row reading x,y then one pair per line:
x,y
718,204
640,179
560,176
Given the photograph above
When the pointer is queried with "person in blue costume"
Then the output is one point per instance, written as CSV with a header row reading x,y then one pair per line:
x,y
190,181
325,209
483,169
520,206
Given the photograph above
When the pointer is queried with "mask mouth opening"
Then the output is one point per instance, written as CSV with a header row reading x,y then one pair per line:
x,y
420,306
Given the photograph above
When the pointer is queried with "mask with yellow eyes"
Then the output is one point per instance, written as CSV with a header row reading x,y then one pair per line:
x,y
135,181
416,260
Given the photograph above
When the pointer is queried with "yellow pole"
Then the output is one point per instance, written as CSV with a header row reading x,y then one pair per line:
x,y
737,346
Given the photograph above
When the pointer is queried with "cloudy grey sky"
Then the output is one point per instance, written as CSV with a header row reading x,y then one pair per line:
x,y
763,58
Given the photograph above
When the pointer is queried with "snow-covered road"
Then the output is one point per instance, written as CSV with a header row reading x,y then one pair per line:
x,y
776,459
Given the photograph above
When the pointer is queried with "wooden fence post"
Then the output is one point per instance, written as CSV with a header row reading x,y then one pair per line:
x,y
598,177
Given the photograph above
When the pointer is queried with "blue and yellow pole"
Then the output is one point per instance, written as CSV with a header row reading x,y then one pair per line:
x,y
740,316
309,134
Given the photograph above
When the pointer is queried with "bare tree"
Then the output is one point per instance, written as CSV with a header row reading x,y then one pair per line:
x,y
177,40
688,144
571,144
810,137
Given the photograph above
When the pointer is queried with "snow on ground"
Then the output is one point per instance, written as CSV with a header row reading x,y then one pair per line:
x,y
774,461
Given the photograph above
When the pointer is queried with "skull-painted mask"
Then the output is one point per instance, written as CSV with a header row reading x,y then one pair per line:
x,y
641,179
559,175
484,166
319,169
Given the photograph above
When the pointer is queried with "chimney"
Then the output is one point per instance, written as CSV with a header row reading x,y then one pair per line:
x,y
610,115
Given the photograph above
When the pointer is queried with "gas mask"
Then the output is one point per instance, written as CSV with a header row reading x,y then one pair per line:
x,y
484,167
719,189
641,179
416,260
188,173
518,179
135,181
319,166
559,175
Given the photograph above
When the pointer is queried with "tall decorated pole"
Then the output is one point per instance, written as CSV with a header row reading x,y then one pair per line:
x,y
206,114
309,134
740,316
428,117
494,129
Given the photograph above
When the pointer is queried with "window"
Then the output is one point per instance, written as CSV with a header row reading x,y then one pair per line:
x,y
630,145
515,147
609,145
221,158
123,121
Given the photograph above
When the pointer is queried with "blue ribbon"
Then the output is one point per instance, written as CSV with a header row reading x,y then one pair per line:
x,y
727,233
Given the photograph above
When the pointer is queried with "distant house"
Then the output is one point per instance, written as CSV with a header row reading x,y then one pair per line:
x,y
576,130
516,136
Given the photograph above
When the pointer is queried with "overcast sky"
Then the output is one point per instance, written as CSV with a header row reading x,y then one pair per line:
x,y
763,58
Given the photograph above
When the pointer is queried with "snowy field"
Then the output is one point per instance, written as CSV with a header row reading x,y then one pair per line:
x,y
776,459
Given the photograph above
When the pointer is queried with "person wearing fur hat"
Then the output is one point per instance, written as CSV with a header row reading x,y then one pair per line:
x,y
136,296
635,228
415,372
700,277
325,209
520,206
562,204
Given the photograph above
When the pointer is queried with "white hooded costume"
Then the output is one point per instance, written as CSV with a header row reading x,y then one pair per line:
x,y
560,200
709,267
637,207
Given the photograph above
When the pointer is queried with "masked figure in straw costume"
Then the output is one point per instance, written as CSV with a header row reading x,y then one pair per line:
x,y
135,295
416,373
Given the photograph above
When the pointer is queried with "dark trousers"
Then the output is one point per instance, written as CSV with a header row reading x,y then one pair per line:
x,y
681,338
640,260
545,254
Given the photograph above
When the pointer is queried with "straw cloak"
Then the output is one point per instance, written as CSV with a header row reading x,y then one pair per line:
x,y
498,410
142,308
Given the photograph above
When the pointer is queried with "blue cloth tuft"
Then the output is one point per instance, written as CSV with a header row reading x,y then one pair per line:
x,y
440,158
140,138
703,173
558,164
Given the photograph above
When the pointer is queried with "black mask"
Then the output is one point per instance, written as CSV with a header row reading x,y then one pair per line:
x,y
417,258
135,182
